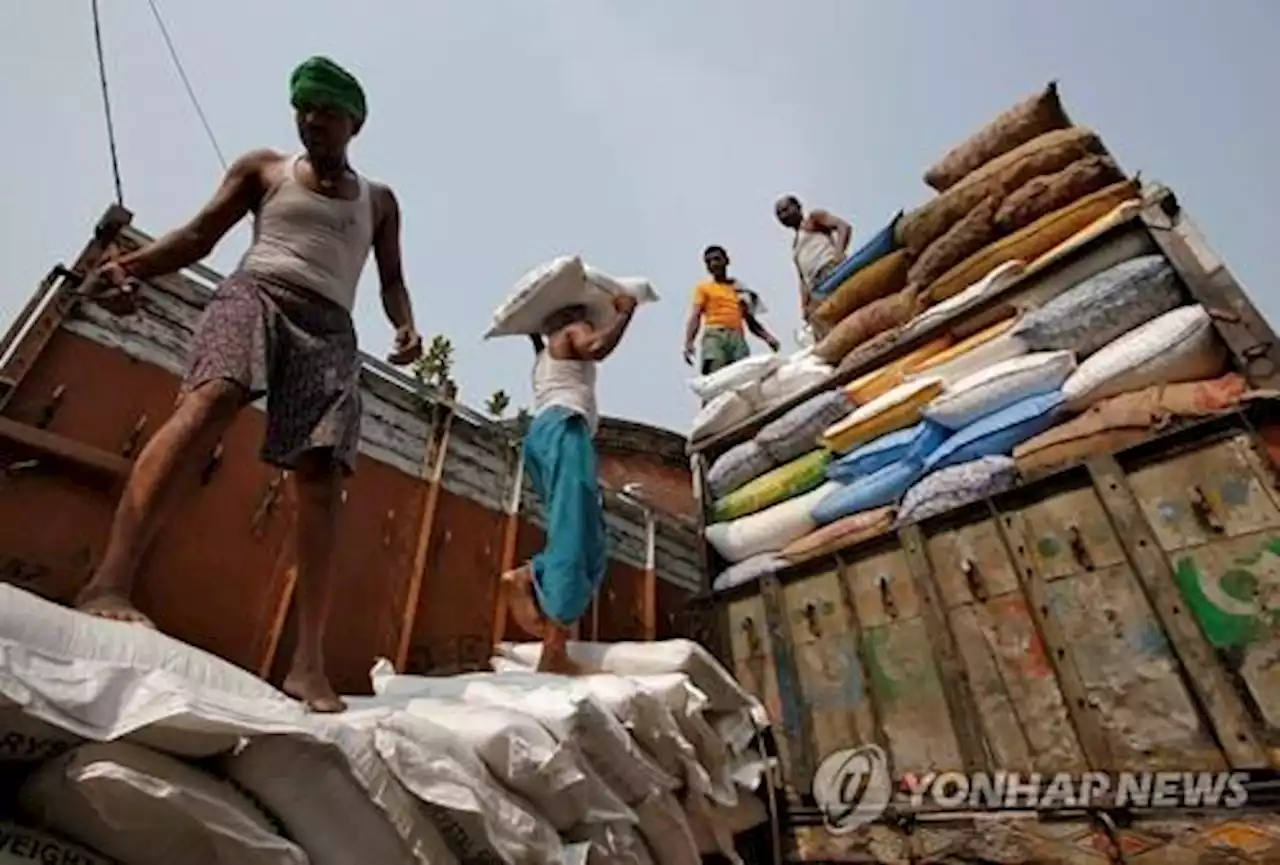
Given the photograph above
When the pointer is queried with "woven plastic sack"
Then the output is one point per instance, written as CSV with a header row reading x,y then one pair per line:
x,y
984,349
836,536
613,844
748,571
1033,116
146,808
866,493
870,321
798,431
898,408
912,444
882,244
792,379
1181,345
1104,307
878,280
879,382
737,375
972,232
349,806
1129,418
1045,194
22,845
956,486
736,466
766,531
1003,384
559,283
1040,237
1044,154
720,414
667,832
786,481
993,283
999,433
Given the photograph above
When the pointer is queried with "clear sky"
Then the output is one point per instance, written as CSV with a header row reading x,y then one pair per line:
x,y
633,133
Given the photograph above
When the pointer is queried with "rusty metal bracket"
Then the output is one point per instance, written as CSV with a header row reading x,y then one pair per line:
x,y
130,446
886,596
211,465
266,505
973,578
752,635
50,408
1079,551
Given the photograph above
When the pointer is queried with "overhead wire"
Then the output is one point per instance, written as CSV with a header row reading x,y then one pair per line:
x,y
186,82
106,103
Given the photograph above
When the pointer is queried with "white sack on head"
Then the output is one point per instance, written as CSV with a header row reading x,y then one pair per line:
x,y
563,282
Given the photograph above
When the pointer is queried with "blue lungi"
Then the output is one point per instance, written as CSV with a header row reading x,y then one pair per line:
x,y
560,458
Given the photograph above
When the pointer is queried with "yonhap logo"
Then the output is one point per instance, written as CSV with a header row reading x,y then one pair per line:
x,y
852,787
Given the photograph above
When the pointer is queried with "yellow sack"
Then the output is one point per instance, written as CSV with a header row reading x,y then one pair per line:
x,y
836,536
878,279
1028,244
895,410
982,337
1130,209
879,382
785,482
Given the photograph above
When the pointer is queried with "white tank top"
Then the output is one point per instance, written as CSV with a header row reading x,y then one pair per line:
x,y
311,241
813,251
569,384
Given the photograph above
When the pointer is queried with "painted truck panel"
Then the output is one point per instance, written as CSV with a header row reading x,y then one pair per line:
x,y
1119,613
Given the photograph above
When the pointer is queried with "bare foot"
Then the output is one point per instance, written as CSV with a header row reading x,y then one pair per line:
x,y
314,690
109,605
551,661
518,585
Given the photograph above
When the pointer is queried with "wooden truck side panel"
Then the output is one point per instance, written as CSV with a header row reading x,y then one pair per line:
x,y
1116,614
426,515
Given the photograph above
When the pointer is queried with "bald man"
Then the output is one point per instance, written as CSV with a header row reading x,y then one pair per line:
x,y
820,244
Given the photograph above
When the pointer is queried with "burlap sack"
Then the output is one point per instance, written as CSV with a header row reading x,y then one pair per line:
x,y
1043,154
1033,116
878,280
1049,192
962,240
836,536
1129,418
872,320
1036,239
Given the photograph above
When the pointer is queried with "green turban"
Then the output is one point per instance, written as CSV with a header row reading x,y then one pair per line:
x,y
322,83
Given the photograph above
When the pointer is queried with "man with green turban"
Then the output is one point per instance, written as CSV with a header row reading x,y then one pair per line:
x,y
279,326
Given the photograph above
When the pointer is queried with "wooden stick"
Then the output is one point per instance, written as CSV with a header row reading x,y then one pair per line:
x,y
425,530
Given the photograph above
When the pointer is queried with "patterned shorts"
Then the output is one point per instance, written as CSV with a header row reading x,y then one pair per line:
x,y
297,348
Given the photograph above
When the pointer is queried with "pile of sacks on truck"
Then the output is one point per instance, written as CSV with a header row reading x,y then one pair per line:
x,y
123,745
986,399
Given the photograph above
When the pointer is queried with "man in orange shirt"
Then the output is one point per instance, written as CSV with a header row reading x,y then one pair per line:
x,y
721,306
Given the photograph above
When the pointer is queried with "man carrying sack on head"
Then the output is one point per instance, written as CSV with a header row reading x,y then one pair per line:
x,y
280,325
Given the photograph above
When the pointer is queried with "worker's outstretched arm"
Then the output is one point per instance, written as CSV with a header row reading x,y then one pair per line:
x,y
691,328
239,193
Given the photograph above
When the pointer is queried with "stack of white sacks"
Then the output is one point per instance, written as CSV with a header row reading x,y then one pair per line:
x,y
751,386
135,748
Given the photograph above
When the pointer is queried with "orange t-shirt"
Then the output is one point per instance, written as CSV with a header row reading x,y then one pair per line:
x,y
720,305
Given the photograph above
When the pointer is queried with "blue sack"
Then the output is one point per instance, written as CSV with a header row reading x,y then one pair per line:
x,y
912,444
868,254
999,433
875,490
